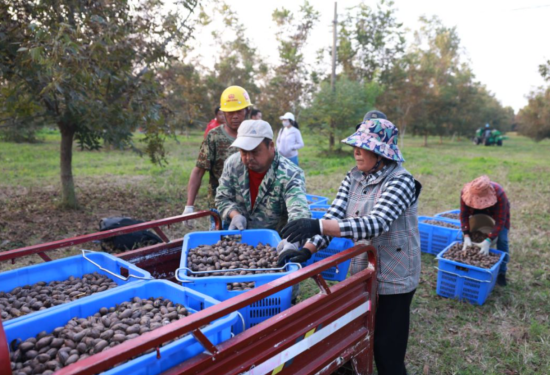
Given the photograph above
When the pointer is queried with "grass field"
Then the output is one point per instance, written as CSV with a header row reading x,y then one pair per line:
x,y
509,334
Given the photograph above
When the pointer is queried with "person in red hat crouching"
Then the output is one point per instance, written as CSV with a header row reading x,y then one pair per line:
x,y
482,196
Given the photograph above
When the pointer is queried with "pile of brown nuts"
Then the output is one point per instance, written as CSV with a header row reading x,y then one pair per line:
x,y
83,337
478,236
30,298
318,209
471,256
451,216
440,223
229,256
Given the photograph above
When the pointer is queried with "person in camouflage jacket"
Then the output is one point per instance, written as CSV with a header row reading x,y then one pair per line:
x,y
216,147
214,151
259,188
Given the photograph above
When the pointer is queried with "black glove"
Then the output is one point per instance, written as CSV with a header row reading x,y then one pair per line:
x,y
295,256
301,229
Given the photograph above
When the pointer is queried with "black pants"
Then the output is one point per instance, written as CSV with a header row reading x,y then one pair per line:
x,y
391,333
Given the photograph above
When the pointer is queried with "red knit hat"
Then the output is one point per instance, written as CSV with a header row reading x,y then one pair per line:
x,y
479,193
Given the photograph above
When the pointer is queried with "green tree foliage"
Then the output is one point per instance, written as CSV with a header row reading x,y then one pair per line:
x,y
90,68
404,98
21,118
290,82
440,60
238,62
430,91
544,70
186,96
336,113
370,41
534,118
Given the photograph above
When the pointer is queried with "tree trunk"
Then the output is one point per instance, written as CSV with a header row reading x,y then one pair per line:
x,y
331,136
68,199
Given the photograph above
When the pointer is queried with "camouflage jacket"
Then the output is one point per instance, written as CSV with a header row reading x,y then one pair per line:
x,y
215,149
281,195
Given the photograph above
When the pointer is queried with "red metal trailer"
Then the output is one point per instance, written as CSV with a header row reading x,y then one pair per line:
x,y
316,336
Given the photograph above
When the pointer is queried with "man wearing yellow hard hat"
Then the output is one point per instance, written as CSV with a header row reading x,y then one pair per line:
x,y
216,147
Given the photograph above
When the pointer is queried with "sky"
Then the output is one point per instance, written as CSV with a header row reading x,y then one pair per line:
x,y
504,41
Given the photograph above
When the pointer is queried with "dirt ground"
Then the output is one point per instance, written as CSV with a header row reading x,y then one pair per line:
x,y
33,216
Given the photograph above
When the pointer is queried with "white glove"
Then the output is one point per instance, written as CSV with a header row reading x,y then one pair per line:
x,y
284,245
291,252
467,242
238,222
189,223
484,247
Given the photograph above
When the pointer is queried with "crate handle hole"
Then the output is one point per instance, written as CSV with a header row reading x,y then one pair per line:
x,y
124,272
460,268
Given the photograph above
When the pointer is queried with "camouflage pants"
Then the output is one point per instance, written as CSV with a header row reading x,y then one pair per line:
x,y
211,197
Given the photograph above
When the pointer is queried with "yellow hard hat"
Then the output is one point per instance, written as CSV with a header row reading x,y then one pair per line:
x,y
234,98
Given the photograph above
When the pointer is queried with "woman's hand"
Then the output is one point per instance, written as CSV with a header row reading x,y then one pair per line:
x,y
301,229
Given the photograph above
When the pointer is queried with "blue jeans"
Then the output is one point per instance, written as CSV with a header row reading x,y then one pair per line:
x,y
502,245
294,160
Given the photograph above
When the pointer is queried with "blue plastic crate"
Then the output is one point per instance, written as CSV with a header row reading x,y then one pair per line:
x,y
335,246
433,238
319,214
465,282
147,364
216,286
62,269
314,200
447,218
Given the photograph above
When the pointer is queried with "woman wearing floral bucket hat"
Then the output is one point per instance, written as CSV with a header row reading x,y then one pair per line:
x,y
482,196
377,202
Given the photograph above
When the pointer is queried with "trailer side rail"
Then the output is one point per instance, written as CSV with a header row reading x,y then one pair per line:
x,y
161,260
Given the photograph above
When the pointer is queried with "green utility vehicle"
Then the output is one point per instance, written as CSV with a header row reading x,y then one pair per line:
x,y
488,137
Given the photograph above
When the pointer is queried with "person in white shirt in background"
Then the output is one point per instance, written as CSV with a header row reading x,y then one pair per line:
x,y
289,139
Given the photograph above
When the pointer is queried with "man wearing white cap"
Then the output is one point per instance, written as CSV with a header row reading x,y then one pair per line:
x,y
259,188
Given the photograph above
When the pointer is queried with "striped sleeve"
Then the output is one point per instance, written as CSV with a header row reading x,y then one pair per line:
x,y
337,211
398,195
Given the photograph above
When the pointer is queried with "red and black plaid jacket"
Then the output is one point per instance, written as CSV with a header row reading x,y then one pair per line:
x,y
500,212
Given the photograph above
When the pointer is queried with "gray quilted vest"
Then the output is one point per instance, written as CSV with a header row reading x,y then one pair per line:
x,y
398,249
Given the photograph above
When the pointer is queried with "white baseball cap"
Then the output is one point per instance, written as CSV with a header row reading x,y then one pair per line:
x,y
251,133
287,116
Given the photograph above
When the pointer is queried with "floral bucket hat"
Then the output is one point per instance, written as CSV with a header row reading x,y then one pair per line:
x,y
379,136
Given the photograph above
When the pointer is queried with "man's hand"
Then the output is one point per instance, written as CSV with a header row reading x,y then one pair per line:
x,y
301,229
238,222
291,253
484,246
467,242
189,210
